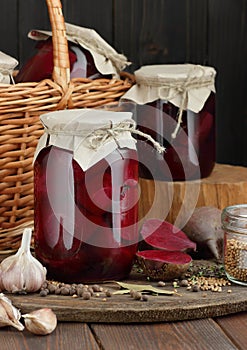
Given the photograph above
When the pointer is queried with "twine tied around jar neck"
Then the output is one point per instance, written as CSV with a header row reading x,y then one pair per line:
x,y
104,134
179,87
6,72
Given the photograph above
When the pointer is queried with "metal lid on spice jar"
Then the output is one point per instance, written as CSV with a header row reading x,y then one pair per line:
x,y
234,218
187,86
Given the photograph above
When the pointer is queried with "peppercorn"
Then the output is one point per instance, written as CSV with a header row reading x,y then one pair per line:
x,y
96,288
196,288
108,293
51,287
43,293
137,296
86,295
184,283
64,291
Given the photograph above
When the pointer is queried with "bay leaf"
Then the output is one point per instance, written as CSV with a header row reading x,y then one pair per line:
x,y
141,288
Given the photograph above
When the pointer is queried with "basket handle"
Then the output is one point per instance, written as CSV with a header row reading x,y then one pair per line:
x,y
61,70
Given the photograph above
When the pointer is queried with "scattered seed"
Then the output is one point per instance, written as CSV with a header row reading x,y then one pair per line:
x,y
44,285
161,284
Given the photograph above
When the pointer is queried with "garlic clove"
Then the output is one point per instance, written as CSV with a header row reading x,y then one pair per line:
x,y
1,282
41,322
22,272
9,314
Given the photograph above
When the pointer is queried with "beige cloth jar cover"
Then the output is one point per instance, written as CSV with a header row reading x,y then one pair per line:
x,y
7,65
107,60
90,134
187,86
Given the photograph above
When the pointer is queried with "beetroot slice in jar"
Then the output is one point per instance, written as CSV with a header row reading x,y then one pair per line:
x,y
96,198
99,202
163,235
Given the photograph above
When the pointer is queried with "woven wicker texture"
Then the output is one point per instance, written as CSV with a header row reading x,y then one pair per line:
x,y
20,127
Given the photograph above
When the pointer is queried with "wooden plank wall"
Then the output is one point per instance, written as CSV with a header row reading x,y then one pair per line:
x,y
209,32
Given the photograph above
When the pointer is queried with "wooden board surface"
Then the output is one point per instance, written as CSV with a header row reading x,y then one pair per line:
x,y
124,309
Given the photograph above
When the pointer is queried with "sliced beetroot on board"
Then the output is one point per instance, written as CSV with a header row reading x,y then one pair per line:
x,y
163,265
163,235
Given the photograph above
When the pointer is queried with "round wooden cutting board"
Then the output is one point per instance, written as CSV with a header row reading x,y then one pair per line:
x,y
182,305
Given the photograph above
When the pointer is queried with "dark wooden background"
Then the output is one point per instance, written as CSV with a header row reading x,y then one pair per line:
x,y
208,32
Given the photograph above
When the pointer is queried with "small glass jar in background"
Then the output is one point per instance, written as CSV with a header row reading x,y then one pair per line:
x,y
176,106
234,224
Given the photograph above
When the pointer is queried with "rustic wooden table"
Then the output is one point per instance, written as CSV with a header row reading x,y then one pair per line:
x,y
217,322
221,333
181,320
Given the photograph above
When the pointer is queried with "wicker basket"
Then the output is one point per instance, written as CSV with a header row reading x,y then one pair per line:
x,y
20,127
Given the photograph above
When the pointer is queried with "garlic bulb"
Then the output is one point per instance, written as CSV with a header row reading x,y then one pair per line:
x,y
42,321
22,272
9,314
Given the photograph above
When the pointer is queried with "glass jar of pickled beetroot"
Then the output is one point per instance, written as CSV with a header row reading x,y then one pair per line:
x,y
86,195
176,106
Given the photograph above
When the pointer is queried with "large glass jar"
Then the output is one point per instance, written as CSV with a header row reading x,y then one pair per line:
x,y
176,106
86,196
90,56
234,223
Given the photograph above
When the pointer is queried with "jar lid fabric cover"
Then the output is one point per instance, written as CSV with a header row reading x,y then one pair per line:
x,y
107,60
7,65
187,86
73,130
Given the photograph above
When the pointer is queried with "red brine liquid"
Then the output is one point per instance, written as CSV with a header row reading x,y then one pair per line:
x,y
190,155
86,222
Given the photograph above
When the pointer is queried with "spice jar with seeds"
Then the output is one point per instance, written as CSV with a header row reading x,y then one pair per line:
x,y
234,223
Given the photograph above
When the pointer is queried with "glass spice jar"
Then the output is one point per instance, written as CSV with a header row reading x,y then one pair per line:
x,y
176,106
86,195
234,223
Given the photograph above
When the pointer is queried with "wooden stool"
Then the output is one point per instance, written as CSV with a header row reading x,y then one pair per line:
x,y
175,201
